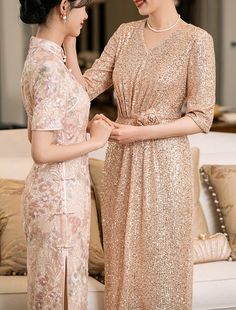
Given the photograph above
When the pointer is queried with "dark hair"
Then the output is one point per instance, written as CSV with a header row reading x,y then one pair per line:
x,y
36,11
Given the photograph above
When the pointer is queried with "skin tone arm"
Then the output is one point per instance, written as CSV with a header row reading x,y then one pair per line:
x,y
69,45
44,150
127,133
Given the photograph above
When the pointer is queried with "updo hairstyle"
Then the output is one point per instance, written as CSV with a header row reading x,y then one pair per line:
x,y
36,11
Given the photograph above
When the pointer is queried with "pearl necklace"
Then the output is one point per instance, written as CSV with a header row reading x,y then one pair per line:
x,y
162,30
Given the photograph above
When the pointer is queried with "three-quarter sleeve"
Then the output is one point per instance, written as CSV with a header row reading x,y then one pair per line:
x,y
201,82
48,98
99,77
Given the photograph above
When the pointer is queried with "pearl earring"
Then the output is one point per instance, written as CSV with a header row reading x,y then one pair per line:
x,y
64,18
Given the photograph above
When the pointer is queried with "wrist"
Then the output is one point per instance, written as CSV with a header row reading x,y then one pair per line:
x,y
147,132
95,143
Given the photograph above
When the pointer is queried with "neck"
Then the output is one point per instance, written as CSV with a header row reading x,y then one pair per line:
x,y
164,16
51,33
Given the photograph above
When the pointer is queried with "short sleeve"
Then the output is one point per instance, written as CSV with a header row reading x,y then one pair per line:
x,y
99,77
201,82
49,98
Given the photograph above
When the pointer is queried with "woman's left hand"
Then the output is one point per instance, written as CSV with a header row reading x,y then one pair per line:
x,y
124,134
100,117
69,42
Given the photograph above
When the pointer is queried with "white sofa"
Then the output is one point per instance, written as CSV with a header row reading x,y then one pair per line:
x,y
214,284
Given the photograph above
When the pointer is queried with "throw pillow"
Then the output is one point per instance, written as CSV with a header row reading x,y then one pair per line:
x,y
211,248
199,220
12,240
221,184
96,254
96,174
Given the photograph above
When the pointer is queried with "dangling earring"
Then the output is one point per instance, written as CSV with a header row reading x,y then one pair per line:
x,y
64,18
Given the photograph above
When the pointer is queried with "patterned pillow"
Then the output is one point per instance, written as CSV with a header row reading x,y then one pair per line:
x,y
199,221
221,184
96,174
96,254
12,240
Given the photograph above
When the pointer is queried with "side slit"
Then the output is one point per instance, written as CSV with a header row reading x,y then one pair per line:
x,y
65,288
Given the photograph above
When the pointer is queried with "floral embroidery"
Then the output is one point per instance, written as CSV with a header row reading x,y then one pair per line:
x,y
56,198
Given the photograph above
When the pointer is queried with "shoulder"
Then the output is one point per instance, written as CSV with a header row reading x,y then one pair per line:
x,y
127,27
39,59
198,35
49,67
46,66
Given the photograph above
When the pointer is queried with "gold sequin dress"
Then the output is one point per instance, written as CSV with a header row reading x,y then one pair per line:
x,y
147,200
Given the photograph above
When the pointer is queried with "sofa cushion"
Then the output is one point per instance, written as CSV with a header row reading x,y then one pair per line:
x,y
96,254
12,240
199,220
96,174
221,181
214,286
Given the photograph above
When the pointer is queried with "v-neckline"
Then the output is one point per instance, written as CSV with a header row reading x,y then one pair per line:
x,y
162,42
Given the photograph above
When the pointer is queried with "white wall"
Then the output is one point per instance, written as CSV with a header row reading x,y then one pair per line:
x,y
12,56
229,54
208,15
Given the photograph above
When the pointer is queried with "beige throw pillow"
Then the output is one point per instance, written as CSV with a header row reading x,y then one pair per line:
x,y
222,183
12,240
96,254
199,220
211,248
96,174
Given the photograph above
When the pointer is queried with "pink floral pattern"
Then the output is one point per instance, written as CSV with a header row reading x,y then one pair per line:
x,y
56,197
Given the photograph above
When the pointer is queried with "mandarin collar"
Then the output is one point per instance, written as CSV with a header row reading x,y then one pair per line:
x,y
47,45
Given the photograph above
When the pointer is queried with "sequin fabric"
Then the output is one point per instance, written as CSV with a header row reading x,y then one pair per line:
x,y
56,198
148,195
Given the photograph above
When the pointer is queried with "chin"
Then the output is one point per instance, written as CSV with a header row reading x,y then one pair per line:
x,y
76,34
143,12
144,9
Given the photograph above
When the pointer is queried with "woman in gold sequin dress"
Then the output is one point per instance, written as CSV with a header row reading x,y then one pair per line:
x,y
156,65
56,197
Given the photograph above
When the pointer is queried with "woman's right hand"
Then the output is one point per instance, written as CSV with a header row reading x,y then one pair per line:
x,y
101,117
100,132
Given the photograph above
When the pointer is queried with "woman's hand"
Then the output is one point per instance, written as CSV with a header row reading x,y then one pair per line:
x,y
69,42
100,132
125,134
100,117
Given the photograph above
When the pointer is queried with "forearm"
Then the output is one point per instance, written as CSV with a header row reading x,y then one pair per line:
x,y
53,153
181,127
